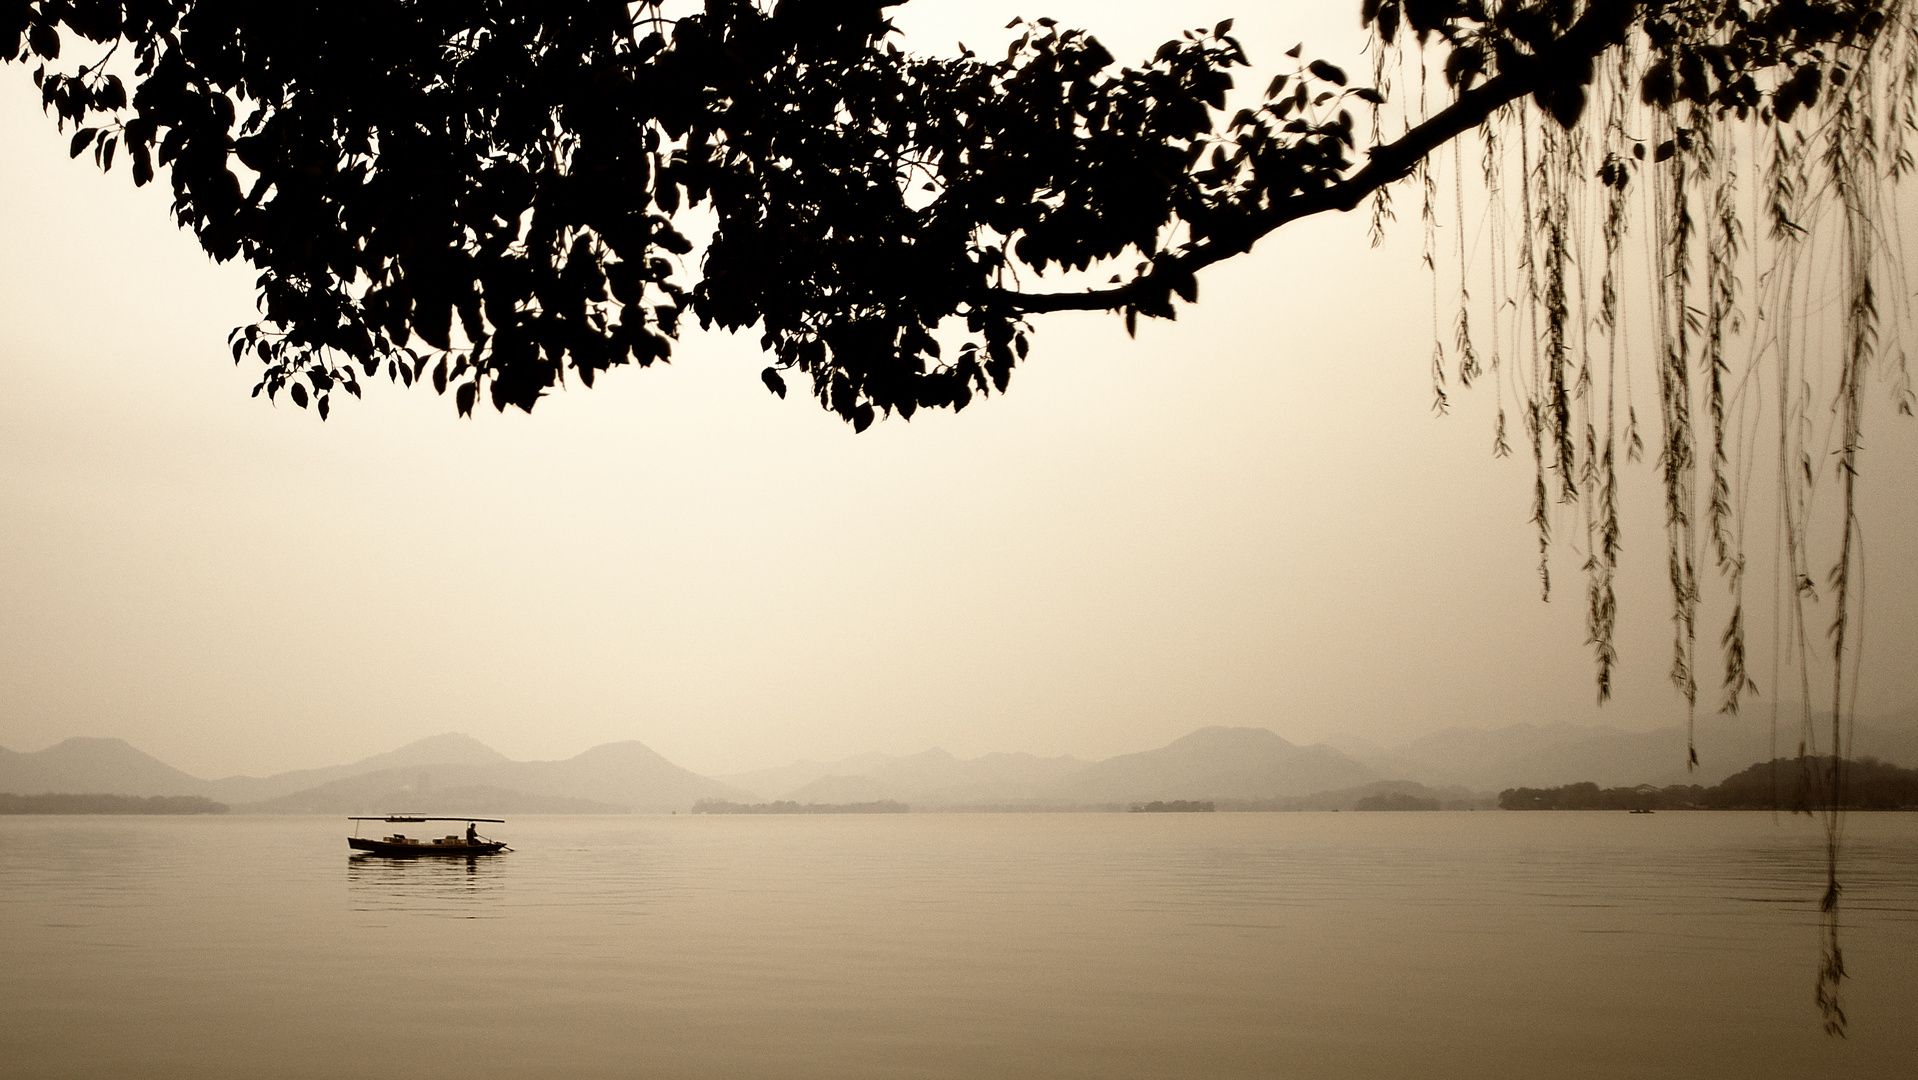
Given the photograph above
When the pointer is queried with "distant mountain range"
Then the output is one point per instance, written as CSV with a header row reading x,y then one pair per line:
x,y
613,778
1219,763
451,772
439,750
933,778
1242,767
1213,762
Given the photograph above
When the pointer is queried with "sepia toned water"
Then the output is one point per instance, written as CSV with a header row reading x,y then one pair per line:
x,y
1108,946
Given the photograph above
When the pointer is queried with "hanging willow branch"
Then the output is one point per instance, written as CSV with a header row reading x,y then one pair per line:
x,y
1665,112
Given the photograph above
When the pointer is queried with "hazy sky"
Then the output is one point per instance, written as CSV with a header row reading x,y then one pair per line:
x,y
1249,516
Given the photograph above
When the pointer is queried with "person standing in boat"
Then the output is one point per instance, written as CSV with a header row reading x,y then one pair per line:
x,y
472,833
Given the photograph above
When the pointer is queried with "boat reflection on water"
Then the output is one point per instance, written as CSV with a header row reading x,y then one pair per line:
x,y
450,887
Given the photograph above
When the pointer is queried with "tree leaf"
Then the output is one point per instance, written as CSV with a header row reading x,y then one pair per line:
x,y
1329,72
43,40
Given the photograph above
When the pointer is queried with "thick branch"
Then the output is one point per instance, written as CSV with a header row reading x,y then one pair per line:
x,y
1601,27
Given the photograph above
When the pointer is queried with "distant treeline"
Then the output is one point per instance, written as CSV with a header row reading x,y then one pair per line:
x,y
1396,800
1386,795
721,806
1783,784
1592,797
108,804
1176,806
1804,783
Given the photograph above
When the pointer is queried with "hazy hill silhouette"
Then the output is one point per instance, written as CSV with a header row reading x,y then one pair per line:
x,y
776,782
95,766
849,789
611,778
1213,762
442,770
402,791
1217,763
451,748
932,778
628,773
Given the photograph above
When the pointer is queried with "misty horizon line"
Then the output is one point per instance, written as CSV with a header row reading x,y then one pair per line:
x,y
1344,745
865,755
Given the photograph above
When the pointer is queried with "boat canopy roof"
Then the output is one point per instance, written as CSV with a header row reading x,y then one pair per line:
x,y
411,818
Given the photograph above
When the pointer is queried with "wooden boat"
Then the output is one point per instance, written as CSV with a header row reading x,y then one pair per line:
x,y
402,846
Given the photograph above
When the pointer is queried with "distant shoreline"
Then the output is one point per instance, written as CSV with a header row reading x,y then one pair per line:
x,y
108,804
1780,784
721,806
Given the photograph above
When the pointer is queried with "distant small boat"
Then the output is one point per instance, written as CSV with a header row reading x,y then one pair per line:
x,y
1644,811
402,846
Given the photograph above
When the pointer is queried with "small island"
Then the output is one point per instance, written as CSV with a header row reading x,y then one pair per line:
x,y
108,804
1176,806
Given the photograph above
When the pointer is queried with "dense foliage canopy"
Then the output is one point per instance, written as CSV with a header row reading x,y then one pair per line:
x,y
497,190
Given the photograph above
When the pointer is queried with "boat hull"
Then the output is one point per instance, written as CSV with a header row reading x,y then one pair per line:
x,y
424,847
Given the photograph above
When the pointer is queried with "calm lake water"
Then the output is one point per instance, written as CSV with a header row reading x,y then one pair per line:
x,y
1105,946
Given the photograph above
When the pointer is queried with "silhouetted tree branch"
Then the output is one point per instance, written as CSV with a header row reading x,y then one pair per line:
x,y
1602,26
489,192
